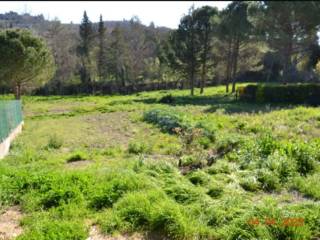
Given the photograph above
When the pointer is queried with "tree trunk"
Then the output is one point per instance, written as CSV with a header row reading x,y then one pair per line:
x,y
17,91
235,64
228,68
203,75
192,82
287,55
204,64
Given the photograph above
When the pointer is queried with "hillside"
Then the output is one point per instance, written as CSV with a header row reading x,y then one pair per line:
x,y
13,19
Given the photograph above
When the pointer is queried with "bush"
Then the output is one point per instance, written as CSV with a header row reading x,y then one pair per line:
x,y
138,148
199,177
269,180
250,183
77,156
182,193
220,167
267,145
309,186
151,211
111,191
306,93
54,142
305,157
215,191
280,164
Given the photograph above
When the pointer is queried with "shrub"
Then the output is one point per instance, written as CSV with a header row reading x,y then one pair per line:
x,y
138,148
220,167
204,142
191,160
267,145
228,143
250,183
279,163
60,195
54,142
183,193
308,186
269,180
152,211
215,191
199,177
77,156
306,93
305,157
111,191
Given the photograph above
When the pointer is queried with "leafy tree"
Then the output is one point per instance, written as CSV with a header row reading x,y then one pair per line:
x,y
102,56
206,20
61,40
84,49
186,44
25,60
119,52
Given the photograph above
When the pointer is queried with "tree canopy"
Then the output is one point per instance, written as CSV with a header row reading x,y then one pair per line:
x,y
25,60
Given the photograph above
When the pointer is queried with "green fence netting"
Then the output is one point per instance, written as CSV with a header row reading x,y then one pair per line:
x,y
10,117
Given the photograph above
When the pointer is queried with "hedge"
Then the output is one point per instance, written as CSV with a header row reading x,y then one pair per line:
x,y
276,93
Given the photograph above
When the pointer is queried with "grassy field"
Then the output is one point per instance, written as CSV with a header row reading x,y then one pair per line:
x,y
203,167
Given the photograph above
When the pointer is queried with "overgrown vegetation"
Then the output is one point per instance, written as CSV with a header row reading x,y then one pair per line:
x,y
195,169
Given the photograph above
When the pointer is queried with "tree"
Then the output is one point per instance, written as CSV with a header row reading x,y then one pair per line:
x,y
102,57
84,49
186,44
25,60
235,29
206,21
288,27
62,40
118,62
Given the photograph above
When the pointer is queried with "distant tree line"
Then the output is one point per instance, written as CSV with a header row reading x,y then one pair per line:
x,y
267,41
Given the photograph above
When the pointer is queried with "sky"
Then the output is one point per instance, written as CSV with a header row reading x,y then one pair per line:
x,y
162,13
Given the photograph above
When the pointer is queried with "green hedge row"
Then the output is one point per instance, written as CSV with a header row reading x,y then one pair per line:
x,y
276,93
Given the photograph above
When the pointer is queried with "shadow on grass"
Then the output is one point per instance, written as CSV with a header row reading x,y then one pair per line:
x,y
226,103
192,100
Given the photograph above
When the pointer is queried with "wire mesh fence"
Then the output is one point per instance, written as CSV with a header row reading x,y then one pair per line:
x,y
10,117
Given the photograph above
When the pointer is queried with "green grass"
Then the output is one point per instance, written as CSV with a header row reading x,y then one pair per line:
x,y
116,161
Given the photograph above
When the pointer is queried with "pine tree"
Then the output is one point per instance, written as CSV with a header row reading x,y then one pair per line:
x,y
101,58
86,39
186,45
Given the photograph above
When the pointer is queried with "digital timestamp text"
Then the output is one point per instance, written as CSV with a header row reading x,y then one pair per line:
x,y
293,222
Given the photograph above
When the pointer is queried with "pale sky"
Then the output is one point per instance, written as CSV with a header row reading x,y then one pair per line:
x,y
166,13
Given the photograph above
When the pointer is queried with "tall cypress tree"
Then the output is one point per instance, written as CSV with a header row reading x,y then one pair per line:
x,y
101,58
86,38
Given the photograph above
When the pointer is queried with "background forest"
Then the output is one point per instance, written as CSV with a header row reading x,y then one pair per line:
x,y
247,41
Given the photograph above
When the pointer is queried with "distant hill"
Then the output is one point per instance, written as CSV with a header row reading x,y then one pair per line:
x,y
13,19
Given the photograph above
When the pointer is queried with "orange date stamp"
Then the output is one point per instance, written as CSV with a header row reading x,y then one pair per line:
x,y
286,222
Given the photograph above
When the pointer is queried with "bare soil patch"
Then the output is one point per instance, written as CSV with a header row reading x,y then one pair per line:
x,y
95,234
79,164
9,223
